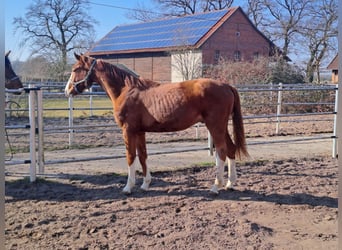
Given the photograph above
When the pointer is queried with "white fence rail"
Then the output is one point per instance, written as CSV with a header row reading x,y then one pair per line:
x,y
275,100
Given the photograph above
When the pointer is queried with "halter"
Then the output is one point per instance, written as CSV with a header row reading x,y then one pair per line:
x,y
86,78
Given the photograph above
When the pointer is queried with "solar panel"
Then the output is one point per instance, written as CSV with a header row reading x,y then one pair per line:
x,y
179,31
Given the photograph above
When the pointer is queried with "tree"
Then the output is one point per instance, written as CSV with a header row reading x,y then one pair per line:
x,y
210,5
178,8
35,69
318,33
284,19
142,13
187,63
56,27
256,12
307,28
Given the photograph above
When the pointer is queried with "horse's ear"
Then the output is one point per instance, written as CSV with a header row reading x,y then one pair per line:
x,y
7,54
78,57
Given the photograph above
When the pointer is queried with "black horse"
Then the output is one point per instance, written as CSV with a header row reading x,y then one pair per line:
x,y
12,83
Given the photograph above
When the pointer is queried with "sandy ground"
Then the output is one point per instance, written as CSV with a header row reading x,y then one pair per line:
x,y
285,198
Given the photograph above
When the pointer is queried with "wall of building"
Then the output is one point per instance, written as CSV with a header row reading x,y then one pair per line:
x,y
186,65
334,76
153,66
236,34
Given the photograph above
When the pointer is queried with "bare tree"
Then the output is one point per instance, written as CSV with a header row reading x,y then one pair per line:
x,y
284,19
143,13
256,12
35,68
56,26
177,8
210,5
186,63
319,31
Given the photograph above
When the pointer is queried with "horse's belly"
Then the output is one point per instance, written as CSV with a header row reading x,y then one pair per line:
x,y
171,122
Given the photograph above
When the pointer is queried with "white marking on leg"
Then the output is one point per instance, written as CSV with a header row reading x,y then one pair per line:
x,y
147,181
219,175
231,174
130,180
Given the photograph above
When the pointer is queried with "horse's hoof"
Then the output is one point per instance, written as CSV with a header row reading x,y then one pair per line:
x,y
144,188
214,190
229,186
146,185
126,190
219,182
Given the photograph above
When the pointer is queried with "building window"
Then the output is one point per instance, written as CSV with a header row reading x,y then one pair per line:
x,y
256,55
237,55
216,56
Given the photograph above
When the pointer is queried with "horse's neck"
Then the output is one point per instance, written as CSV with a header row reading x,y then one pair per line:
x,y
113,80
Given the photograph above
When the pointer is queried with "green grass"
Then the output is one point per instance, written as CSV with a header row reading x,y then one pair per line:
x,y
61,106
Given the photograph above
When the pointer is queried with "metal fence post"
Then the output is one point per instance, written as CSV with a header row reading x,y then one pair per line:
x,y
40,131
334,149
91,102
280,94
210,144
71,122
32,118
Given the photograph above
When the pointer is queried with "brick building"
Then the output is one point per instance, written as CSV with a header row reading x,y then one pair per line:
x,y
333,66
177,49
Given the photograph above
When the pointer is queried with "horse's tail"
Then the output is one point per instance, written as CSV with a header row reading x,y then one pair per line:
x,y
239,132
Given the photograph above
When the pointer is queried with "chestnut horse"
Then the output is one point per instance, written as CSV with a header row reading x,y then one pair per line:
x,y
145,106
13,83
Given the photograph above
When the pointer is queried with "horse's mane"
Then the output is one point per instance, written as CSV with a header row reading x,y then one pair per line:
x,y
127,77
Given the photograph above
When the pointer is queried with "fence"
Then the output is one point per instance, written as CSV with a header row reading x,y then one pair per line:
x,y
271,102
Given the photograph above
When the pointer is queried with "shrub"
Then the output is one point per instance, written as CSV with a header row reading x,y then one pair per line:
x,y
260,71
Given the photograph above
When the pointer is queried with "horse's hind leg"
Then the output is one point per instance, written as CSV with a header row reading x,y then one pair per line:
x,y
231,149
142,154
231,174
221,154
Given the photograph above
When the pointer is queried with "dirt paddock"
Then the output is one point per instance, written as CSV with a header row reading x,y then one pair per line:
x,y
287,202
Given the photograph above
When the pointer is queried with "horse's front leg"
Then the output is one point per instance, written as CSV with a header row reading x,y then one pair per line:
x,y
142,154
130,142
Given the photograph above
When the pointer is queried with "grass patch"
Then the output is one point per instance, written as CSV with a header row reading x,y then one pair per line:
x,y
205,164
59,107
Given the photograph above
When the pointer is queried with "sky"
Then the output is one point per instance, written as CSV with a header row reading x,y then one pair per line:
x,y
107,17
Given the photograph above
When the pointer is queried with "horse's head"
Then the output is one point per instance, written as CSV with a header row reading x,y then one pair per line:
x,y
12,80
81,75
